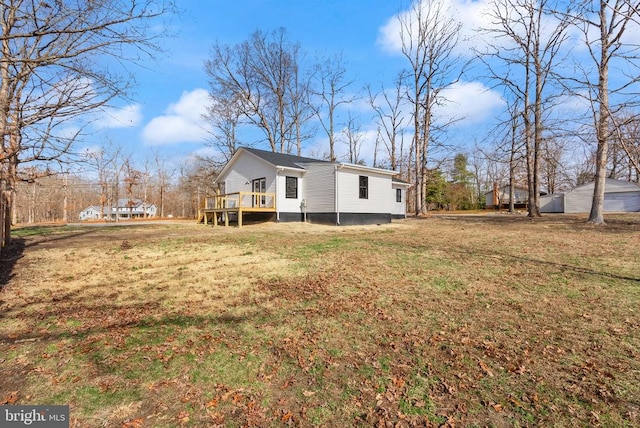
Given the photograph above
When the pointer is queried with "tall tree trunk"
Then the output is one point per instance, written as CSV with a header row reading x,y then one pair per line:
x,y
596,216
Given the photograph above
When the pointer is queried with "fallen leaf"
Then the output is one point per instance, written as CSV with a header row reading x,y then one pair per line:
x,y
134,423
10,398
287,416
308,393
485,368
183,417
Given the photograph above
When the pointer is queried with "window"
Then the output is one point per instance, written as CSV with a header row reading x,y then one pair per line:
x,y
291,188
398,195
364,187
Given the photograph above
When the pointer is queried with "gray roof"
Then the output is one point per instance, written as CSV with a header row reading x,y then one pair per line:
x,y
281,159
398,180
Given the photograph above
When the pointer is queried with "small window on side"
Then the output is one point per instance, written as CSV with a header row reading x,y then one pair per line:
x,y
364,187
398,195
291,188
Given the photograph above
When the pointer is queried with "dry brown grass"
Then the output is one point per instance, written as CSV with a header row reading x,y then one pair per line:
x,y
460,321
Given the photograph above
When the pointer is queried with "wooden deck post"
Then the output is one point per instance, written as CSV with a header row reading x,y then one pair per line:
x,y
239,218
215,218
226,218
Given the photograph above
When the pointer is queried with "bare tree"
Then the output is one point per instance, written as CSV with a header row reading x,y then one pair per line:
x,y
429,36
51,70
628,140
353,138
224,115
529,36
163,180
101,162
331,83
132,179
390,116
604,25
261,77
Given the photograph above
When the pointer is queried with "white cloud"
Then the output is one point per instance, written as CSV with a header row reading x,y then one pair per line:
x,y
475,16
182,121
472,102
471,14
125,117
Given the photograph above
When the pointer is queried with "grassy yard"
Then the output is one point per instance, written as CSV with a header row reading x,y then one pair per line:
x,y
458,321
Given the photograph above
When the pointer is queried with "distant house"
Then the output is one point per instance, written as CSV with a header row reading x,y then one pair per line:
x,y
294,188
126,209
499,197
619,196
90,213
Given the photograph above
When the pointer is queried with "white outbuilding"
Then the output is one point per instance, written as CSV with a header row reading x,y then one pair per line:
x,y
619,196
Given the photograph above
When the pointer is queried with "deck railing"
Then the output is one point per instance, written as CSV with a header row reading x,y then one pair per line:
x,y
241,201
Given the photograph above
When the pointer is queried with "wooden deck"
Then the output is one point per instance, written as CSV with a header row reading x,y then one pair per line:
x,y
215,209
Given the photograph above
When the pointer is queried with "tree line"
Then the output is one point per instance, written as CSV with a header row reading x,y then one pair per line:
x,y
109,174
53,74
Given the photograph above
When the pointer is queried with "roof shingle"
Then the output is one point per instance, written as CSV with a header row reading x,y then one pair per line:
x,y
281,159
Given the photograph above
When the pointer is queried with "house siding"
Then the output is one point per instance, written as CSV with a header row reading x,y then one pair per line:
x,y
285,204
398,209
378,201
246,169
319,184
520,196
330,191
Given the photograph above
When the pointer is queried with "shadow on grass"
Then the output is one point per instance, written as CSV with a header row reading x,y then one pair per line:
x,y
8,259
614,223
547,263
58,237
13,252
105,319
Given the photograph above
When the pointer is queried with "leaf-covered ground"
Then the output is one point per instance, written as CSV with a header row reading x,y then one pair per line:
x,y
450,321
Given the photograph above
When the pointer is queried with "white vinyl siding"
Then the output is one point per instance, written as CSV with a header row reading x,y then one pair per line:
x,y
379,198
289,204
319,182
246,169
398,208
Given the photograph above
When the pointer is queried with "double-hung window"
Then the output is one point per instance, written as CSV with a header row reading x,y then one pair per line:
x,y
291,191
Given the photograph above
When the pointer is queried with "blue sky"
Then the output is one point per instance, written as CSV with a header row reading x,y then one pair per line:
x,y
164,113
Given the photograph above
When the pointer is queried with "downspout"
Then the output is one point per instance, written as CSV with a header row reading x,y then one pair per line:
x,y
337,198
406,192
275,201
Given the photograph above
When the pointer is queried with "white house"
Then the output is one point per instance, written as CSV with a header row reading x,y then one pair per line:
x,y
499,196
303,189
619,196
126,209
90,213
